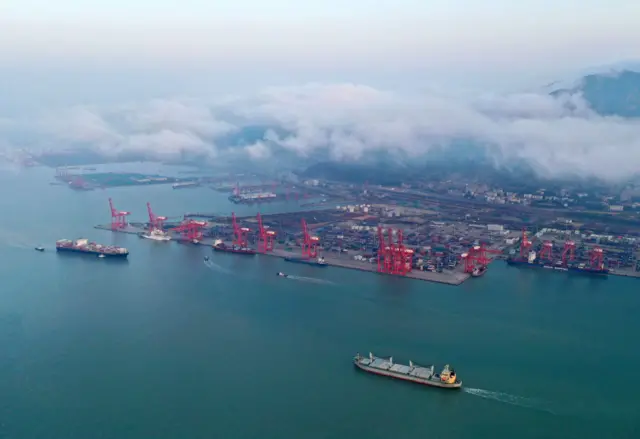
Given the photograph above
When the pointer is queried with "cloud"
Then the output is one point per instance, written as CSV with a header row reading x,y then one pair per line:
x,y
258,150
557,136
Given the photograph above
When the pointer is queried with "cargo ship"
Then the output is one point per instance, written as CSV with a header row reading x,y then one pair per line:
x,y
253,197
446,379
84,246
319,262
531,262
185,184
220,246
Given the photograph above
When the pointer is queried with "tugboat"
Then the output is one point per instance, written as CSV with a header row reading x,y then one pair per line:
x,y
40,249
446,379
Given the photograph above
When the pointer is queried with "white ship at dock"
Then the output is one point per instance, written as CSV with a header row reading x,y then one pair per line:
x,y
446,379
157,235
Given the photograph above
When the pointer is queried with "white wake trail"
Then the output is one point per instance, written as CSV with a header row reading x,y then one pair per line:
x,y
506,398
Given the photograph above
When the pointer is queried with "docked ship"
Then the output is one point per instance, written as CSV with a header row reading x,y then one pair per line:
x,y
157,235
581,268
185,184
447,379
479,271
220,246
84,246
252,197
319,262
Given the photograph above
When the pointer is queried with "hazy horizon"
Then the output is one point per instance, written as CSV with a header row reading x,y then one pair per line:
x,y
170,47
165,77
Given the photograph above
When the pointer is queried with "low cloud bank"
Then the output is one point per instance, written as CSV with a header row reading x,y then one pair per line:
x,y
557,136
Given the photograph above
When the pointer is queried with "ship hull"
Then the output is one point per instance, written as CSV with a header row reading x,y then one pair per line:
x,y
517,263
306,262
156,238
236,200
94,253
230,250
417,380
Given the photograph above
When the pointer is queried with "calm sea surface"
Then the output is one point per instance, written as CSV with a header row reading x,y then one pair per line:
x,y
164,346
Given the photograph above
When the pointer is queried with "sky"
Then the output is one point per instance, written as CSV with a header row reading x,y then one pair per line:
x,y
347,77
257,43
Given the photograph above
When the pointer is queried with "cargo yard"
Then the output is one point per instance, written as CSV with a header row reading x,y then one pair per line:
x,y
368,240
387,239
395,231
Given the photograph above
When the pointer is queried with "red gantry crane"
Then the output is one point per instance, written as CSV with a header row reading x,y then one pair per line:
x,y
384,252
477,258
155,222
309,243
239,233
568,253
596,259
118,217
266,238
191,230
525,245
403,257
546,253
393,258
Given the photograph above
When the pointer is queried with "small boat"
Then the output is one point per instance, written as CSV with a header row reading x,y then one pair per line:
x,y
40,249
281,274
206,258
446,379
101,256
479,271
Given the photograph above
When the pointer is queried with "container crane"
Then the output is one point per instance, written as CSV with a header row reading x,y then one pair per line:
x,y
266,237
155,222
118,217
309,243
568,253
239,233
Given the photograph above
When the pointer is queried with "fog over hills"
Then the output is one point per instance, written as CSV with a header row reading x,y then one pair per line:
x,y
588,129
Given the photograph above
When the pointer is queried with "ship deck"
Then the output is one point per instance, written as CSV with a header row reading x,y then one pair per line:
x,y
385,365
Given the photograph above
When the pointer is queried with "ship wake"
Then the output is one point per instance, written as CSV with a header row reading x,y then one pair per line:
x,y
505,398
218,268
15,240
313,280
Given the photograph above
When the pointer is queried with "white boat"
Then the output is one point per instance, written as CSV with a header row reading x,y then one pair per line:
x,y
157,235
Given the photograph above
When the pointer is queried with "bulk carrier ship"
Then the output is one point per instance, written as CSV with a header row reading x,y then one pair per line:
x,y
185,184
581,268
84,246
446,379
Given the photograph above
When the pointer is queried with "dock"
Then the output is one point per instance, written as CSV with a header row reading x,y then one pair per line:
x,y
448,278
